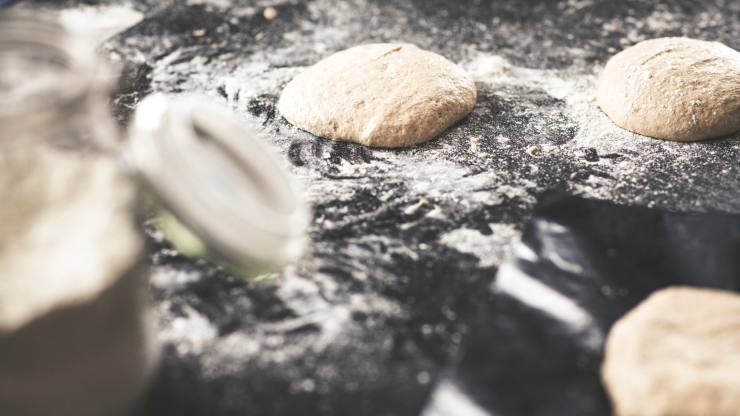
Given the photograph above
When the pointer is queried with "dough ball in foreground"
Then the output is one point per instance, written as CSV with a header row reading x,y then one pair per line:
x,y
674,89
385,95
677,353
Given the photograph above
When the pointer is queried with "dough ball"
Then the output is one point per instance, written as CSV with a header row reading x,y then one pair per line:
x,y
674,89
677,353
385,95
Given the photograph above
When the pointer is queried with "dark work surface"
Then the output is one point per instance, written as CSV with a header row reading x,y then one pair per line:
x,y
405,243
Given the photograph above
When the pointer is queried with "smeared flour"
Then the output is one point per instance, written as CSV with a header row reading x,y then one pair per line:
x,y
491,249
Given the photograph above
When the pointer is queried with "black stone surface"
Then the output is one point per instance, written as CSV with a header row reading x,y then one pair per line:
x,y
405,243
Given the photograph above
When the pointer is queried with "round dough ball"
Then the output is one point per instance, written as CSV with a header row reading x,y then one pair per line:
x,y
385,95
674,89
677,353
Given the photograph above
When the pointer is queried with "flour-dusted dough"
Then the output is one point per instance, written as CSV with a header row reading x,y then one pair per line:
x,y
677,353
673,88
385,95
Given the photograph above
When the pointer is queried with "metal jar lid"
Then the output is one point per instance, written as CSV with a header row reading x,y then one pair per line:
x,y
218,180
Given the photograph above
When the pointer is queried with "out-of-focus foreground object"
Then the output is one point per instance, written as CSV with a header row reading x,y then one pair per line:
x,y
222,193
677,353
75,332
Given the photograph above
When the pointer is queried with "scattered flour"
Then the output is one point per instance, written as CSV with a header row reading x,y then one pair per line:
x,y
491,249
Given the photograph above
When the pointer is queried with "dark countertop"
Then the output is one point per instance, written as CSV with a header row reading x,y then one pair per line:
x,y
405,243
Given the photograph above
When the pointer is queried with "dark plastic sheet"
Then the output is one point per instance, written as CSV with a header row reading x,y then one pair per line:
x,y
580,266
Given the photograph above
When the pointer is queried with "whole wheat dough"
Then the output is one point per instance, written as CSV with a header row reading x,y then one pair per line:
x,y
674,89
385,95
677,353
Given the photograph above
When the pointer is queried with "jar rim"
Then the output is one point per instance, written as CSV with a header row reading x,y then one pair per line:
x,y
39,37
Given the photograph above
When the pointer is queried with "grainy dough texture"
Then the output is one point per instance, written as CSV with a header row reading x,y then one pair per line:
x,y
73,312
677,353
673,88
384,95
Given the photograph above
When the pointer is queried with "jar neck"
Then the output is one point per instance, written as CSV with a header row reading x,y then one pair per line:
x,y
48,78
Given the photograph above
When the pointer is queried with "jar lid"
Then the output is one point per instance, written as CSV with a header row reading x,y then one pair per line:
x,y
218,180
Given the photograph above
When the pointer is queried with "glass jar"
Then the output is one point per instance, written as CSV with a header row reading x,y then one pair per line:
x,y
76,331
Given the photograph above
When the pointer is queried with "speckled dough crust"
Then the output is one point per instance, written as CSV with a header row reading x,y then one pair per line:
x,y
674,89
384,95
677,353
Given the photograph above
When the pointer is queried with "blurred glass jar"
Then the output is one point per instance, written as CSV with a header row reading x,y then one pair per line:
x,y
76,331
53,88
